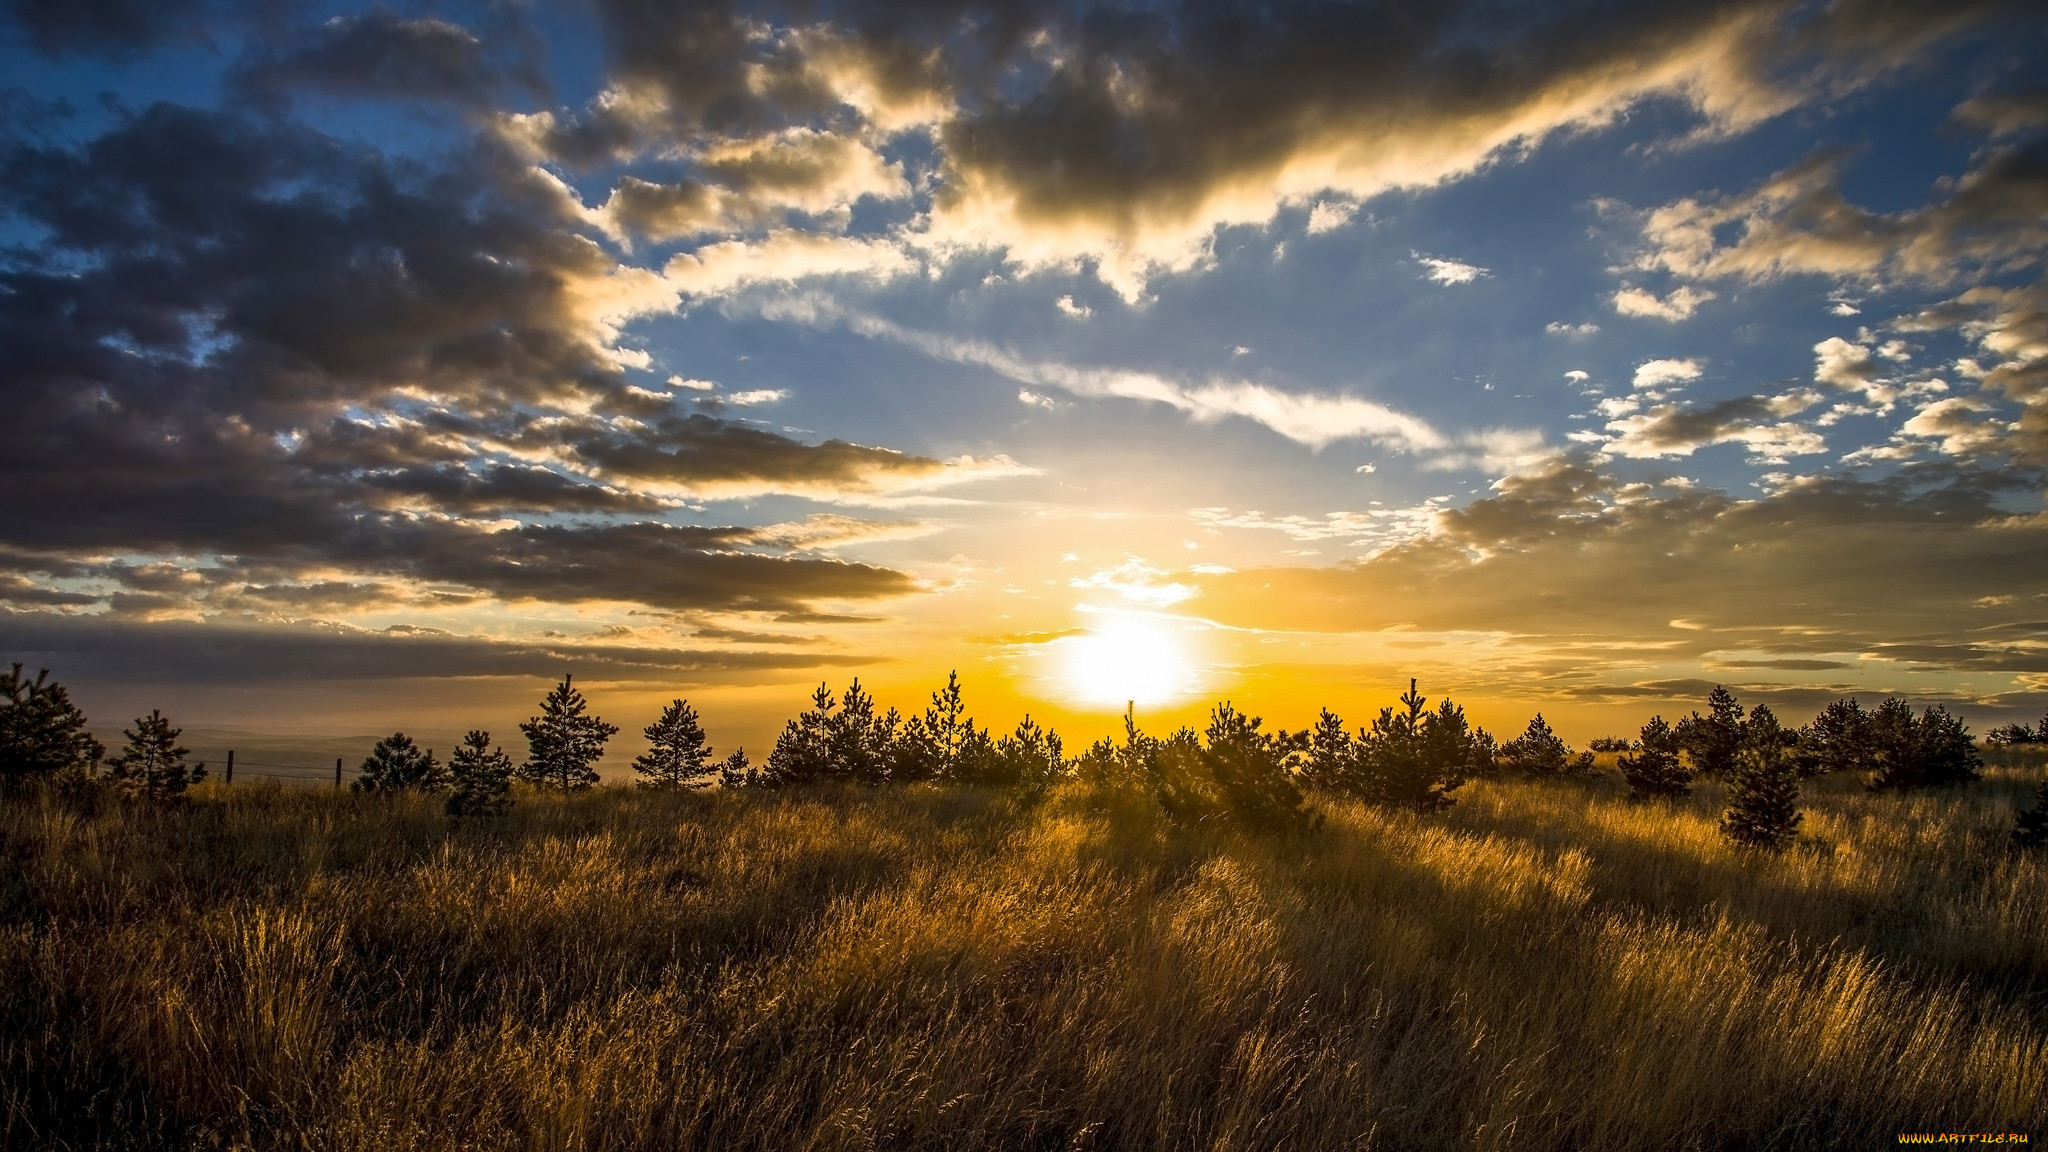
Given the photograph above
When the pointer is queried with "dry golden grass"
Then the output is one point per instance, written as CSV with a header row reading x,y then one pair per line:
x,y
1545,966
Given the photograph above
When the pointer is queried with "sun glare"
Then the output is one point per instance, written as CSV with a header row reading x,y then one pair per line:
x,y
1128,658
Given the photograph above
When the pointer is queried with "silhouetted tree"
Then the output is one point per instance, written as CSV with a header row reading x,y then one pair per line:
x,y
1713,740
1329,763
1933,750
1029,758
1611,744
1839,739
2030,828
2007,735
734,773
1763,791
396,764
480,777
1251,769
1537,751
857,741
803,752
1178,777
949,731
563,743
1415,758
1655,768
41,731
1112,767
152,765
678,754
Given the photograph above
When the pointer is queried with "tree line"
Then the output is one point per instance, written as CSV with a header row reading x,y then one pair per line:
x,y
1410,756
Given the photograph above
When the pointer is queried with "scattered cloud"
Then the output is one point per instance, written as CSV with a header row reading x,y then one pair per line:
x,y
1678,305
1445,271
1330,215
1658,373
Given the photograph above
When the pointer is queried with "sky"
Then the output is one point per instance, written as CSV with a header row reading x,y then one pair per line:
x,y
377,366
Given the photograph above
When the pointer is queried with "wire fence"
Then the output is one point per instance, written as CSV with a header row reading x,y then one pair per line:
x,y
333,775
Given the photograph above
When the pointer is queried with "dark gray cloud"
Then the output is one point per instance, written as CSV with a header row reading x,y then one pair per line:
x,y
105,650
249,340
380,55
112,28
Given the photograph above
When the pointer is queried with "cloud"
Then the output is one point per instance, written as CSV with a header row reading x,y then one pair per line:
x,y
750,184
1799,222
1560,328
1755,422
783,257
1137,581
380,55
117,29
756,396
1450,271
1125,143
1557,564
105,650
1680,304
1657,373
2001,114
1578,376
1330,215
320,378
1077,311
1839,363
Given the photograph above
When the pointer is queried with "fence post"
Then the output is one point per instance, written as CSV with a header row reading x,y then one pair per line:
x,y
231,766
337,771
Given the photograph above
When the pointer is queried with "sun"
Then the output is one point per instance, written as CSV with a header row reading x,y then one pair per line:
x,y
1128,657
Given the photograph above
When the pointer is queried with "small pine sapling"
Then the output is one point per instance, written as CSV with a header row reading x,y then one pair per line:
x,y
41,732
1655,769
563,744
1763,790
1538,751
1713,740
480,777
153,765
397,764
2030,828
678,754
734,773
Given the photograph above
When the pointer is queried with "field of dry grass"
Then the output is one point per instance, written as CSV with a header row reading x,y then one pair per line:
x,y
1545,966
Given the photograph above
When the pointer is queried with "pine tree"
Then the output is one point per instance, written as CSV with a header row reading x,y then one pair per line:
x,y
153,765
1931,751
41,732
1763,791
1538,751
679,755
856,740
1030,758
948,728
1839,739
734,773
1655,770
1252,770
481,777
1111,767
1713,740
1415,758
563,744
1330,753
396,764
2030,828
803,752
